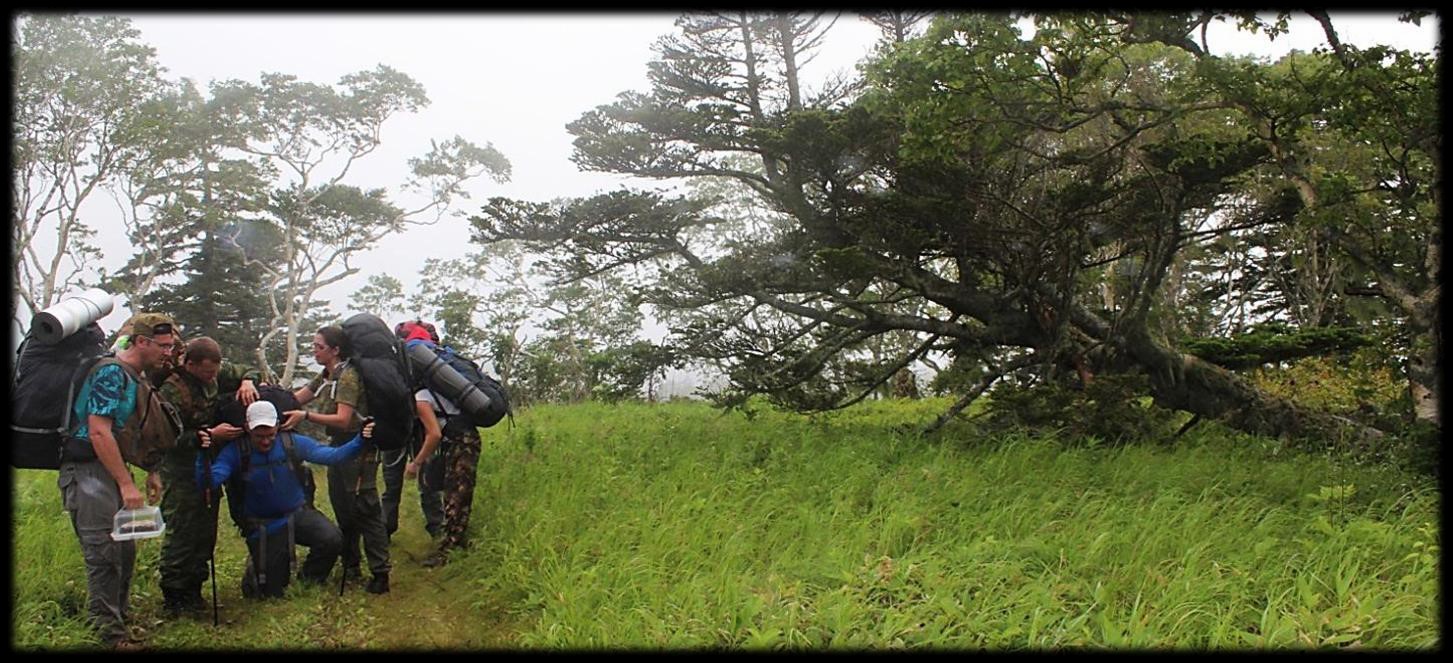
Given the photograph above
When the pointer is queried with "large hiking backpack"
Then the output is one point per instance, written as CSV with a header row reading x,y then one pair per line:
x,y
387,379
481,398
232,411
153,429
43,392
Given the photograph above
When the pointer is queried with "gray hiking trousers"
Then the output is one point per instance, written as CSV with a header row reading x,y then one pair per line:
x,y
92,498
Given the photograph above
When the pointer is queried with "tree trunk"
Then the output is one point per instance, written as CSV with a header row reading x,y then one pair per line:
x,y
1188,383
1425,368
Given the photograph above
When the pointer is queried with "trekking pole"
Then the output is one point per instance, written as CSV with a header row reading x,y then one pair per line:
x,y
211,554
212,560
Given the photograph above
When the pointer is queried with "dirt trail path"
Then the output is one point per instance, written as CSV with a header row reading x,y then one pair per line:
x,y
431,608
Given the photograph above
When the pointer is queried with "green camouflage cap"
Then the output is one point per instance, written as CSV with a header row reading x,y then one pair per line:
x,y
150,324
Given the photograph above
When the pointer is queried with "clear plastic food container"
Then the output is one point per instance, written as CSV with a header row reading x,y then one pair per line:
x,y
143,523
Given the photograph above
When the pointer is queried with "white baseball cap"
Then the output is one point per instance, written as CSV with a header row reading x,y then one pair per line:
x,y
261,413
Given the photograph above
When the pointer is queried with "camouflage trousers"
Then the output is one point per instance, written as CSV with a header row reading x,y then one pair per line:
x,y
191,525
461,463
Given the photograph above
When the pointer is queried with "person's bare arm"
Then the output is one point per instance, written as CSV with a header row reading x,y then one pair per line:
x,y
432,435
342,418
103,441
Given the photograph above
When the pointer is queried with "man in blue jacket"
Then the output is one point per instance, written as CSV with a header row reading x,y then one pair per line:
x,y
276,512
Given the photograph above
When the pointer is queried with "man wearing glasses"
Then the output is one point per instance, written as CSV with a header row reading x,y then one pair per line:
x,y
94,480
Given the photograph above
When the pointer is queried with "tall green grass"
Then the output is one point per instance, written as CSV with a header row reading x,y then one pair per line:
x,y
49,596
676,526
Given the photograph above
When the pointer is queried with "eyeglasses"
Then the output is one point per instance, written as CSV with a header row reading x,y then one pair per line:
x,y
164,346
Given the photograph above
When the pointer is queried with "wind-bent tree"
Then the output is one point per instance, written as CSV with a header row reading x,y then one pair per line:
x,y
312,135
974,196
84,88
1355,135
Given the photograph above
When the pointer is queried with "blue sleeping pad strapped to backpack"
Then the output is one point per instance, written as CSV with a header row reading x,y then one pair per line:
x,y
480,397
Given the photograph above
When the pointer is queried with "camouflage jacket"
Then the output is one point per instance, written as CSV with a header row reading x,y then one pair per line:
x,y
196,401
328,393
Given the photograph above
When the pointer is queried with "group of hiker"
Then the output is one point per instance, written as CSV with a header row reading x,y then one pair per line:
x,y
256,459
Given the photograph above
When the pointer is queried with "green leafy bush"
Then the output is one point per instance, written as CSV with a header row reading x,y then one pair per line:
x,y
1111,409
1359,385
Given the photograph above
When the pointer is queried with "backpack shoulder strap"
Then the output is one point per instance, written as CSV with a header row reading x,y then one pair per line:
x,y
438,403
244,456
290,449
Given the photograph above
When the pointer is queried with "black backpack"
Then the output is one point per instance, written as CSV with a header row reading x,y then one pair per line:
x,y
42,398
388,382
482,413
232,411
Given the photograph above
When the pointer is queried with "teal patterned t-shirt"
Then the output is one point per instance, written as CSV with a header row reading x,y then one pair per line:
x,y
107,393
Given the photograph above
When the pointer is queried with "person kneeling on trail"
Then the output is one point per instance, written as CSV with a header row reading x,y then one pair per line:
x,y
277,514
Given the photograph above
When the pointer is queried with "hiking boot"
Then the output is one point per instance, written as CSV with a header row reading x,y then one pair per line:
x,y
378,584
177,604
126,645
436,559
249,583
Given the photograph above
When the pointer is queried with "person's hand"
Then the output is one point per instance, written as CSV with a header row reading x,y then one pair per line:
x,y
368,429
224,432
292,418
247,393
130,496
204,438
412,469
153,488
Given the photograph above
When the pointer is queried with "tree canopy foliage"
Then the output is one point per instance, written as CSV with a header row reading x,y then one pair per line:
x,y
237,202
1037,203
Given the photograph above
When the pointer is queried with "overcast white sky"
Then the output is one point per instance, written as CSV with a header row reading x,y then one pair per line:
x,y
515,80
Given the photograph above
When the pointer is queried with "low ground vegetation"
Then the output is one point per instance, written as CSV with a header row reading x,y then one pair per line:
x,y
677,526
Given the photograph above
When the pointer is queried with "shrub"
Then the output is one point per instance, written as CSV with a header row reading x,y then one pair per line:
x,y
1360,386
1112,409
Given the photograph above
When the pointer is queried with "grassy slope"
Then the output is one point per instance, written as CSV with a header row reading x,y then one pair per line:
x,y
674,526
